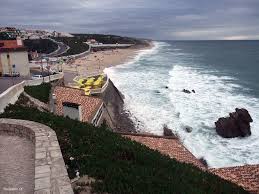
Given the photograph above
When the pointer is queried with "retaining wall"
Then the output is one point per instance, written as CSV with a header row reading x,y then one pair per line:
x,y
10,96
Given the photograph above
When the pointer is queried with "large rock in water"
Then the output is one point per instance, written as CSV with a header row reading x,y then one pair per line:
x,y
236,125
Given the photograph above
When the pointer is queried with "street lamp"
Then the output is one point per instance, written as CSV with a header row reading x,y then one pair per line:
x,y
13,71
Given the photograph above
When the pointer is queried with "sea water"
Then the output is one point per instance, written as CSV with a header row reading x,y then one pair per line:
x,y
224,75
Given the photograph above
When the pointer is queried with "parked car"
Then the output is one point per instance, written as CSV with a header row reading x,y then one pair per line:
x,y
13,74
36,77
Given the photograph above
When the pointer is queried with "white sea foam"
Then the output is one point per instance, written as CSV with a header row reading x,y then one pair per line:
x,y
143,82
214,98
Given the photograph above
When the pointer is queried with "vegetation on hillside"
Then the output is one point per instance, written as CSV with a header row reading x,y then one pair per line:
x,y
121,165
110,39
78,46
40,92
41,45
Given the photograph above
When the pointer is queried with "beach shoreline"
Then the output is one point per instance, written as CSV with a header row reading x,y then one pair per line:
x,y
96,62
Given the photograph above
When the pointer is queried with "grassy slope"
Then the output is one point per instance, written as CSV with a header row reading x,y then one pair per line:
x,y
39,92
122,166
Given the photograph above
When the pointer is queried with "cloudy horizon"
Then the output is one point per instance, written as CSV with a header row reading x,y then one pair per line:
x,y
166,19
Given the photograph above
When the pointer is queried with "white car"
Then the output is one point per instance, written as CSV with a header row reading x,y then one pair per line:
x,y
36,77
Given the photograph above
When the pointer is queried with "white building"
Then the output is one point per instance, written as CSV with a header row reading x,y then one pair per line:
x,y
13,58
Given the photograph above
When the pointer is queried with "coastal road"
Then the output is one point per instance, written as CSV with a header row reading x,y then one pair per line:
x,y
62,48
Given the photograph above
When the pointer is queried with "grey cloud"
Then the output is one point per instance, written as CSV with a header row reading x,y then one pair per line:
x,y
164,19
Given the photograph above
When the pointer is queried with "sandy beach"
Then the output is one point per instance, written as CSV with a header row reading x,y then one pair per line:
x,y
96,62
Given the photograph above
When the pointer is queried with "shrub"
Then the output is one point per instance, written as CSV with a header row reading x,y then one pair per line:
x,y
40,92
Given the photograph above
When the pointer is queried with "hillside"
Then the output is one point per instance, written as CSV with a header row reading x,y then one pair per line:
x,y
45,46
119,164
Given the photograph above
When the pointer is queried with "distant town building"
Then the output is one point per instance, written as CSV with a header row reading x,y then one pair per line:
x,y
92,41
34,37
13,58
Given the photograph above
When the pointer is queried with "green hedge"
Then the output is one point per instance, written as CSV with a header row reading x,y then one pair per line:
x,y
121,165
40,92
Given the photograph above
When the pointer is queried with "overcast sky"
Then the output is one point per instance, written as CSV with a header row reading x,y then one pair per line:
x,y
157,19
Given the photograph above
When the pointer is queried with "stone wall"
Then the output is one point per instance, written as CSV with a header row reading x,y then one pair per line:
x,y
10,96
50,171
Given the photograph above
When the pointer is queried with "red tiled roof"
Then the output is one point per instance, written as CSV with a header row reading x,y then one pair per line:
x,y
171,147
89,104
246,176
10,45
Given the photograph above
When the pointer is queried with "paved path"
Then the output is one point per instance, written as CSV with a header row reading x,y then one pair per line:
x,y
16,165
6,82
50,173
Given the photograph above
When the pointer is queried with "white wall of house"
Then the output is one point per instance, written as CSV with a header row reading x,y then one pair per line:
x,y
19,58
73,113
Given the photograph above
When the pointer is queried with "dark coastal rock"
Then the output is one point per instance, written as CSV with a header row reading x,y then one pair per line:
x,y
167,131
188,129
186,91
236,125
117,118
204,162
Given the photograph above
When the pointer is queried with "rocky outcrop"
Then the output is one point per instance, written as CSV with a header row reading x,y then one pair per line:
x,y
188,129
167,131
186,91
204,162
236,125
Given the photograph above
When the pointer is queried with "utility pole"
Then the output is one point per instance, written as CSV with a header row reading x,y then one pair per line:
x,y
41,65
48,67
13,70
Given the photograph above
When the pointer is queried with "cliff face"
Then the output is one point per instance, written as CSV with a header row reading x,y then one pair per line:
x,y
115,115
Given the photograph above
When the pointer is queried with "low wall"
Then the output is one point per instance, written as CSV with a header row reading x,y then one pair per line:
x,y
47,79
10,96
50,171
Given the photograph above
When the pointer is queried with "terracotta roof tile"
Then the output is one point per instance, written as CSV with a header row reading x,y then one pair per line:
x,y
246,176
171,147
89,104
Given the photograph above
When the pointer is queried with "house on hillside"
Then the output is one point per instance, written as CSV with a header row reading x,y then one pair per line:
x,y
73,103
13,58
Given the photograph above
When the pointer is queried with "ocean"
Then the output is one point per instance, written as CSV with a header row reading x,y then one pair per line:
x,y
224,75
